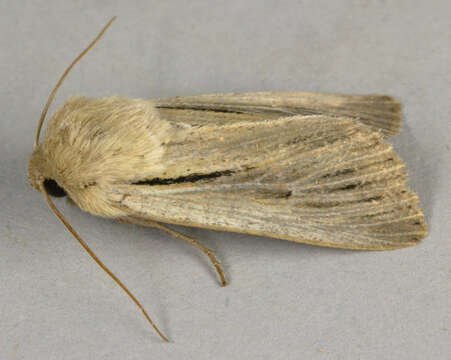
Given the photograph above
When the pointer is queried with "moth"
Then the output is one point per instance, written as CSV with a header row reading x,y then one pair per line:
x,y
306,167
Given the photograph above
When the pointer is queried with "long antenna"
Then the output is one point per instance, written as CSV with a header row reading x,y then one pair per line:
x,y
52,205
60,81
98,261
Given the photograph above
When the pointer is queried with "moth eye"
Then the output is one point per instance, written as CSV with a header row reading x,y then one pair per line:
x,y
53,189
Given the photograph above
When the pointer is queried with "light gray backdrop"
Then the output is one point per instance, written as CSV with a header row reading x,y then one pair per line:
x,y
285,300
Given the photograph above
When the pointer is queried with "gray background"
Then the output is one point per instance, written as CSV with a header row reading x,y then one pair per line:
x,y
285,300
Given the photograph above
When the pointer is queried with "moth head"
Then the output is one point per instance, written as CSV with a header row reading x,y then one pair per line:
x,y
54,164
41,176
48,164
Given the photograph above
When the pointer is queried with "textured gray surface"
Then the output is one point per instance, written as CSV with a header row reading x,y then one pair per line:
x,y
285,300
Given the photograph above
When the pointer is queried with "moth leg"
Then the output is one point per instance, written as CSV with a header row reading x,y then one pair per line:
x,y
216,263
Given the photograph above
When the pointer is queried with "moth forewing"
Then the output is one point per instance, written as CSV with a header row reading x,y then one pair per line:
x,y
316,179
380,112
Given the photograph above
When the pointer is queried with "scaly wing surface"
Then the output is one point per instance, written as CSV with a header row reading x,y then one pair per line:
x,y
321,180
380,112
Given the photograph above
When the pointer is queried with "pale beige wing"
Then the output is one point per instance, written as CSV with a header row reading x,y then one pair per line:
x,y
380,112
315,179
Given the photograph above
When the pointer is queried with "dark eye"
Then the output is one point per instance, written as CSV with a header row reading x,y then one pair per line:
x,y
53,189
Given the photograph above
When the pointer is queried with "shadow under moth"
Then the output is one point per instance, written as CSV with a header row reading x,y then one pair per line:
x,y
307,167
